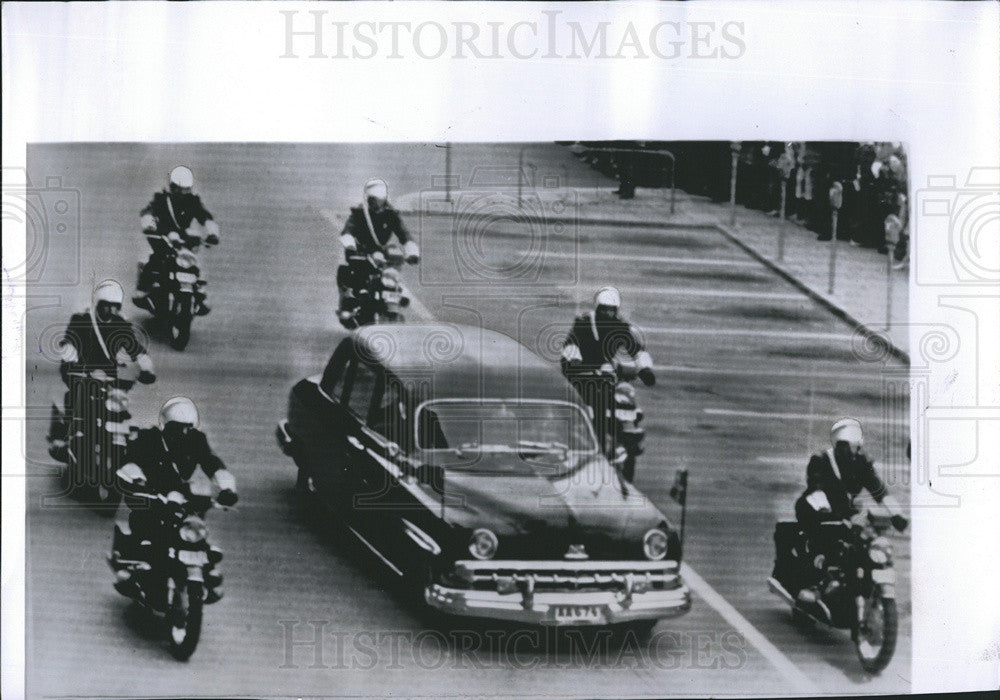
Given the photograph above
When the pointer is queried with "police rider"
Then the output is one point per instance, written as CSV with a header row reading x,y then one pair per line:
x,y
161,461
833,478
95,341
592,345
178,215
368,230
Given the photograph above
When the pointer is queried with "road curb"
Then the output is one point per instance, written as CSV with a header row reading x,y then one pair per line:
x,y
833,308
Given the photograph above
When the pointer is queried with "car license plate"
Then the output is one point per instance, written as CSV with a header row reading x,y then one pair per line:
x,y
625,415
884,575
390,297
192,557
578,614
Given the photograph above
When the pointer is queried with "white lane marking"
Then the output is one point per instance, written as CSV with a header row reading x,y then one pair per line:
x,y
798,416
610,259
792,673
777,374
784,666
738,332
587,292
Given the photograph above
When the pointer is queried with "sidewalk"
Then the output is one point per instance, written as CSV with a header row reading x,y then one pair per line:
x,y
859,295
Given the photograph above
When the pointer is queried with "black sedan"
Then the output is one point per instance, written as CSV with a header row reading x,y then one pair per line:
x,y
469,466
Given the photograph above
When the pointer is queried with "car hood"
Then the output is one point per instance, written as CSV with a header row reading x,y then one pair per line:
x,y
536,513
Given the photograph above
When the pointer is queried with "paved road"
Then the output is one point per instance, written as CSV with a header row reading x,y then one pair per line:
x,y
751,374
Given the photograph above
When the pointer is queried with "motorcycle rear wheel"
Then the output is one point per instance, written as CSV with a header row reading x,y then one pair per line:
x,y
184,639
876,637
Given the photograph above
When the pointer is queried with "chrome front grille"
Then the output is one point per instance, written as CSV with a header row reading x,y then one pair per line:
x,y
512,576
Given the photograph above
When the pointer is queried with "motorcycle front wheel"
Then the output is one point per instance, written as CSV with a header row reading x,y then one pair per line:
x,y
184,620
876,638
180,321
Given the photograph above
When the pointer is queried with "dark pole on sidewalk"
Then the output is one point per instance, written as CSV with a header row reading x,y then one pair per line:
x,y
893,226
836,200
447,172
734,148
785,166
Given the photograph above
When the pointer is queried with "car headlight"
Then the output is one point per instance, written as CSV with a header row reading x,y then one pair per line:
x,y
483,544
193,530
654,544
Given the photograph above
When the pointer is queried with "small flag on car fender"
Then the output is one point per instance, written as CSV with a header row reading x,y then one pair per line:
x,y
678,491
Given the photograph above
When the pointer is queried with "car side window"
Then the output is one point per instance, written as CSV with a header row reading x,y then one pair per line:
x,y
363,383
389,418
334,375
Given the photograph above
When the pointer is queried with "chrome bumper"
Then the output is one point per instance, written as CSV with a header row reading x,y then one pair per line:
x,y
563,606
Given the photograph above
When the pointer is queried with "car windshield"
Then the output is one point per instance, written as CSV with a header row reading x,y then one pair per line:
x,y
527,428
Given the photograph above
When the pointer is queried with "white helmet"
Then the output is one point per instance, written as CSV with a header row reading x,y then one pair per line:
x,y
182,177
847,430
608,296
376,188
179,409
109,291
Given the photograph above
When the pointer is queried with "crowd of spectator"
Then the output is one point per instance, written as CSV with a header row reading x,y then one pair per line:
x,y
872,176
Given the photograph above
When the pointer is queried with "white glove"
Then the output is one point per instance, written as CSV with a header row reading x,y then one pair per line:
x,y
211,228
148,223
348,241
412,252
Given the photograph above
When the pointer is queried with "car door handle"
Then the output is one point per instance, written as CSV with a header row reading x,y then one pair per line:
x,y
355,442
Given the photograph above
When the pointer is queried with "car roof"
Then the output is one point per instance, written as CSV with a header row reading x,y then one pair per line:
x,y
452,360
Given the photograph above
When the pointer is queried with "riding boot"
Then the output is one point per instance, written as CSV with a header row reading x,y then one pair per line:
x,y
213,585
202,309
58,436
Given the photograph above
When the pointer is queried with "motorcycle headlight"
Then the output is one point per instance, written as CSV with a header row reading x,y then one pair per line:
x,y
193,530
878,557
654,544
117,401
483,544
186,260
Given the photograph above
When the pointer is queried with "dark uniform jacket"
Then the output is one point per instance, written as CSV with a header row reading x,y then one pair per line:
x,y
166,471
599,341
118,335
840,491
175,212
386,222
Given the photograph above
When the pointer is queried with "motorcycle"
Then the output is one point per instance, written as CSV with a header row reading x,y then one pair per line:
x,y
176,295
96,425
171,573
610,398
849,564
372,288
